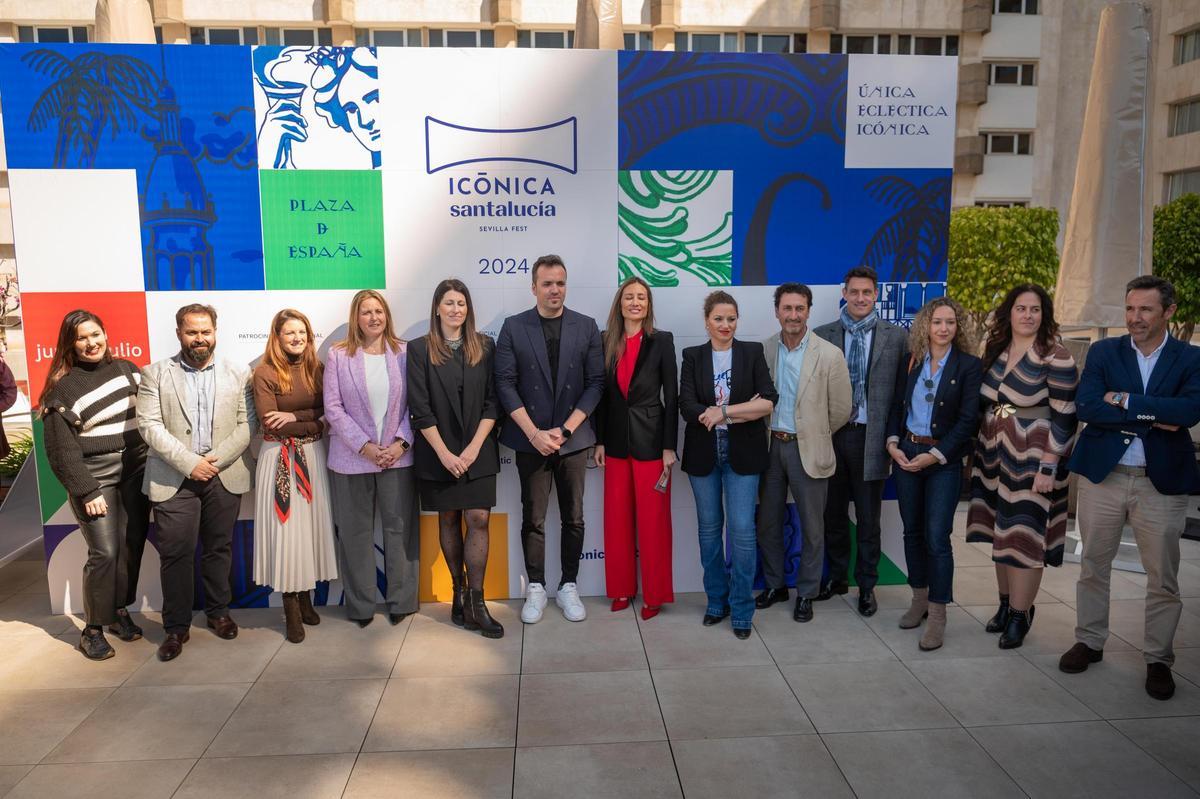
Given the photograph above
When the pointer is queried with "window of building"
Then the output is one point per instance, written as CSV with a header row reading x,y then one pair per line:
x,y
552,39
1015,6
1185,117
224,35
1012,74
387,38
639,40
908,44
1007,143
1002,203
299,37
869,43
36,33
776,42
706,42
1181,183
1187,46
466,38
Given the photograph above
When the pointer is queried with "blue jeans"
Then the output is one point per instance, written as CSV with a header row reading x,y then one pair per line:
x,y
928,499
728,584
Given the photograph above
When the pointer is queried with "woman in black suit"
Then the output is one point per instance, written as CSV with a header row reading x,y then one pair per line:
x,y
453,404
637,431
932,425
725,390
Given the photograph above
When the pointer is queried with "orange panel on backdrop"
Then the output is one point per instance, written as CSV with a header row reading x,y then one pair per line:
x,y
123,312
435,577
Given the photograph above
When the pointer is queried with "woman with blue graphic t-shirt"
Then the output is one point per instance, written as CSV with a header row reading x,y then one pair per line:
x,y
725,392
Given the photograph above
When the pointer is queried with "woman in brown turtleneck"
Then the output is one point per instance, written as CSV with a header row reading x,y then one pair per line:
x,y
293,524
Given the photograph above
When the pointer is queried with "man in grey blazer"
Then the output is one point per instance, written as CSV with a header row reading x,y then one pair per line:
x,y
549,379
814,402
196,415
875,351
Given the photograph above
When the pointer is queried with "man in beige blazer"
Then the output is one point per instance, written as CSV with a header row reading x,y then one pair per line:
x,y
815,399
196,415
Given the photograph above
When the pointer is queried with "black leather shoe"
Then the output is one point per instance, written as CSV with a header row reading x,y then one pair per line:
x,y
173,646
93,644
458,600
804,609
998,622
224,626
742,632
125,629
830,588
1078,657
769,597
1018,627
866,602
710,619
396,618
1159,682
364,622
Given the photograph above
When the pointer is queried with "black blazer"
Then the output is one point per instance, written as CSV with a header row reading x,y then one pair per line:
x,y
747,440
455,401
644,424
955,418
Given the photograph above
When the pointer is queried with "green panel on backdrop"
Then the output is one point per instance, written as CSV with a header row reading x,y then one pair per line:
x,y
51,494
322,229
889,573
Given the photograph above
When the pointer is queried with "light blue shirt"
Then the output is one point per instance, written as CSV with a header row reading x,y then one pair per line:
x,y
1135,455
847,342
201,403
920,410
787,383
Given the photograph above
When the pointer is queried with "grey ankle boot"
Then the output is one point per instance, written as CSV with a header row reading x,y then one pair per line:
x,y
935,628
917,611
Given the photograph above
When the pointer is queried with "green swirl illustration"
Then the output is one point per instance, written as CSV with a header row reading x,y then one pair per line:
x,y
653,213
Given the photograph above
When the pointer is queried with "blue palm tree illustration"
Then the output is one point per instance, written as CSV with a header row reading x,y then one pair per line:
x,y
914,239
90,93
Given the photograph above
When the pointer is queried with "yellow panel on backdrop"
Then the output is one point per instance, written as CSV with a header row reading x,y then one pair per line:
x,y
435,577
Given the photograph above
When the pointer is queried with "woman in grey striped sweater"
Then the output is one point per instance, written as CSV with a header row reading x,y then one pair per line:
x,y
95,451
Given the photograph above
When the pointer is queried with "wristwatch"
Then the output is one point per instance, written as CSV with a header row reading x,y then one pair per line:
x,y
1047,469
1118,399
566,431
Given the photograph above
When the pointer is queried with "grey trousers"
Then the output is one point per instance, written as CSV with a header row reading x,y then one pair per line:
x,y
356,497
1157,521
784,470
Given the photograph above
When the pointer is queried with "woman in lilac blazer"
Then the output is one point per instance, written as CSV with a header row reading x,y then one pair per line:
x,y
370,458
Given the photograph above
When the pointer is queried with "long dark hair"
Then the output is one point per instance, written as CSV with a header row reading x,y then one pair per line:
x,y
439,350
614,333
64,352
999,334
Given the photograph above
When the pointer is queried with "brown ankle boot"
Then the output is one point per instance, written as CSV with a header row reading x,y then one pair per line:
x,y
917,611
291,618
308,613
935,628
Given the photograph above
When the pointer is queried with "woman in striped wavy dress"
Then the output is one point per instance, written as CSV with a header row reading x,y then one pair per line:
x,y
1019,481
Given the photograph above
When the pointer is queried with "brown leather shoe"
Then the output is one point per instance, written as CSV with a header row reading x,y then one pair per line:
x,y
308,614
291,618
1077,658
1159,682
224,626
173,646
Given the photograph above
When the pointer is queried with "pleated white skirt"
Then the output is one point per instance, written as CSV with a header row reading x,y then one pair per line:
x,y
293,556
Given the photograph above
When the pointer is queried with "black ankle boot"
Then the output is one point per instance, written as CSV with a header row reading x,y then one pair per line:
x,y
476,616
1017,628
456,604
998,622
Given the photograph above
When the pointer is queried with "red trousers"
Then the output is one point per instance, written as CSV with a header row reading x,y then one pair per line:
x,y
637,522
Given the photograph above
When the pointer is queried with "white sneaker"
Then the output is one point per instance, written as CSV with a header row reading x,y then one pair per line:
x,y
567,598
535,603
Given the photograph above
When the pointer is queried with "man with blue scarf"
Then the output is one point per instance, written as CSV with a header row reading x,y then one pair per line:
x,y
875,351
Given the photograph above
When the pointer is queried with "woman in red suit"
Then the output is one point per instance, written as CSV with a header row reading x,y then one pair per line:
x,y
636,431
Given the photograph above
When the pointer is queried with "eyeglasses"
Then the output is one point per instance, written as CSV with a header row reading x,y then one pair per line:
x,y
928,390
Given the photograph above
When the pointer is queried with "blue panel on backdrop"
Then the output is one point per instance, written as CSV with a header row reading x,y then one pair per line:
x,y
777,121
182,117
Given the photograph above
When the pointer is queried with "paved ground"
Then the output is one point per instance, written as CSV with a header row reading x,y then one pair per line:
x,y
614,706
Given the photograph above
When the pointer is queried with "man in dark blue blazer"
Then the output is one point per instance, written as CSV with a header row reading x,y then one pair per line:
x,y
549,379
1139,394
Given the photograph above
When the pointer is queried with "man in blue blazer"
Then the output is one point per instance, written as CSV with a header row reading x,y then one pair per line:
x,y
549,379
1139,394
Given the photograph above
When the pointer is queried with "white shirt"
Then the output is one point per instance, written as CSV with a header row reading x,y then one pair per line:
x,y
847,342
1135,455
378,389
722,378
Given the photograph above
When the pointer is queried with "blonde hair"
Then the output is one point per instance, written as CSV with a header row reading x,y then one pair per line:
x,y
918,334
354,337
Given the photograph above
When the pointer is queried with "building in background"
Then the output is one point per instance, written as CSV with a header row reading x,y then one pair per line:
x,y
1023,75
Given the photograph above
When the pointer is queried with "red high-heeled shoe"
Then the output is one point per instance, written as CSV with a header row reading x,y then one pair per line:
x,y
620,603
649,612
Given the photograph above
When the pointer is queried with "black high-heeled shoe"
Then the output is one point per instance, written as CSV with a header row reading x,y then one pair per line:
x,y
998,622
1014,634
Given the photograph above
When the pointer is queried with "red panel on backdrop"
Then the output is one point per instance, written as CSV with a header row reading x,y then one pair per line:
x,y
123,312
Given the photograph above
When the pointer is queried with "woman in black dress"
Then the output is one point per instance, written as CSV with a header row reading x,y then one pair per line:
x,y
453,404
